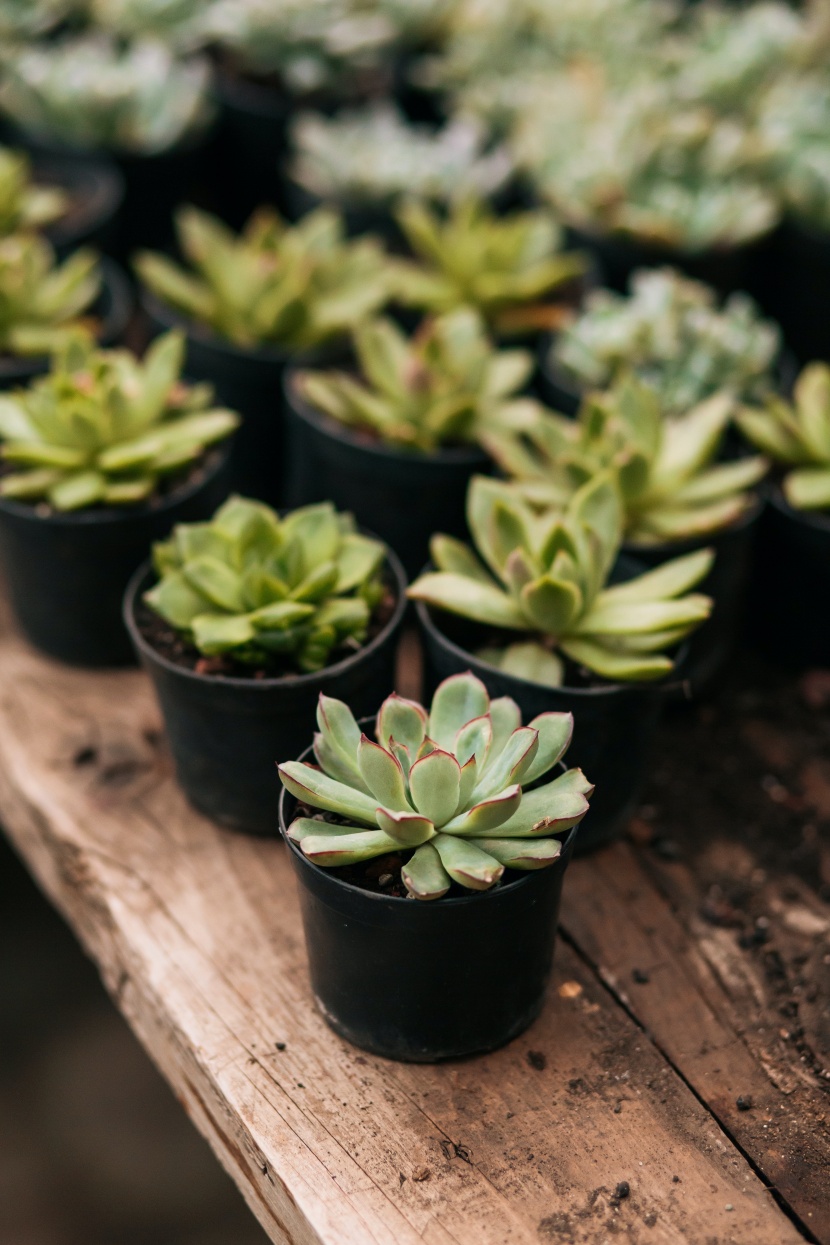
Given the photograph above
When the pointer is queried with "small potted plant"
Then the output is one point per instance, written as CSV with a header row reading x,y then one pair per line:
x,y
251,303
398,442
42,302
791,598
99,458
550,618
676,495
671,332
444,807
240,622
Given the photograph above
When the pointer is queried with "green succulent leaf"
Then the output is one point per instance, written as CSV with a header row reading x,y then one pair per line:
x,y
457,701
407,829
424,875
383,775
467,864
434,782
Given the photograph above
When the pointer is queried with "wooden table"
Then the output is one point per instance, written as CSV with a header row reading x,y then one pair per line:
x,y
614,1119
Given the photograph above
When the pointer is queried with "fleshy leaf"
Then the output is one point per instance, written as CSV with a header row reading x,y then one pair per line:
x,y
457,700
434,783
320,791
488,814
424,876
466,864
521,853
383,775
407,829
403,720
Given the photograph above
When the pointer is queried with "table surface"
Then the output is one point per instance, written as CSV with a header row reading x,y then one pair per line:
x,y
655,1024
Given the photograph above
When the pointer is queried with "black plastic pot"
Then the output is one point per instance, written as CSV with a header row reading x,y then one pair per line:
x,y
113,307
403,497
425,981
789,613
96,193
67,572
250,143
709,649
614,723
794,288
227,734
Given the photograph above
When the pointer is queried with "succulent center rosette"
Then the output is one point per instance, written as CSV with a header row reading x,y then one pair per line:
x,y
447,785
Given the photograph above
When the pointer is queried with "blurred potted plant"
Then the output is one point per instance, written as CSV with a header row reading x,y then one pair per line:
x,y
240,622
444,807
549,618
253,303
398,442
99,458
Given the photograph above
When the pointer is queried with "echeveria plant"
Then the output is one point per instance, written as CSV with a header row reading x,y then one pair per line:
x,y
443,786
442,386
102,427
545,576
42,301
23,203
671,484
508,268
671,332
256,587
374,156
796,435
91,91
292,287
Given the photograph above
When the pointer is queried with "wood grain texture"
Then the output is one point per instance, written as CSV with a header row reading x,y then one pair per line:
x,y
198,937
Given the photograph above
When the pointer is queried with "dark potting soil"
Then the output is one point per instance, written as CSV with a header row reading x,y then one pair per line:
x,y
176,648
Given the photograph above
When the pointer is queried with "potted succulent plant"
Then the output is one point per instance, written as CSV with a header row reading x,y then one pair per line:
x,y
791,597
549,617
443,806
251,303
99,458
42,302
240,622
671,332
676,495
398,442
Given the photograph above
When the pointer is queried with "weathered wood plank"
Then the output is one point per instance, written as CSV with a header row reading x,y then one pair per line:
x,y
198,937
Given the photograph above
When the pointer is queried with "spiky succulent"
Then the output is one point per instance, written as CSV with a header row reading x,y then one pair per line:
x,y
257,587
796,435
672,486
92,91
293,287
374,155
41,301
670,331
445,786
508,268
23,203
442,386
103,427
546,576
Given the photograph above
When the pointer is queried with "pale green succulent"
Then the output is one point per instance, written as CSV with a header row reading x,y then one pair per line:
x,y
796,435
255,587
510,269
42,301
794,120
180,23
103,428
442,386
23,203
26,19
291,287
374,156
546,576
92,91
442,787
671,332
671,484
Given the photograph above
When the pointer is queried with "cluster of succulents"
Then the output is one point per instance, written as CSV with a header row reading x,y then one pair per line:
x,y
672,333
796,436
444,787
510,269
91,90
255,587
375,156
102,427
272,285
42,301
444,385
23,203
544,574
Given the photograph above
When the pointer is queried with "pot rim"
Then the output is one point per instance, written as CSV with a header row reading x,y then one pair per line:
x,y
264,685
216,457
324,424
819,520
457,901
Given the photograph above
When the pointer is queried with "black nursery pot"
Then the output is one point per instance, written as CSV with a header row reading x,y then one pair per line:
x,y
227,734
614,723
250,143
96,194
113,308
67,572
403,497
793,285
422,981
